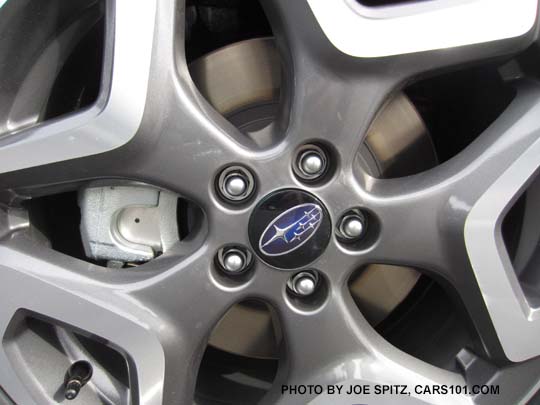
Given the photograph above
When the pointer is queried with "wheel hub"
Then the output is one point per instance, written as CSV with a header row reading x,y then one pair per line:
x,y
242,81
289,229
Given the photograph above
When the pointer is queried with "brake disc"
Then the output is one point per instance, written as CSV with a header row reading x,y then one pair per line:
x,y
242,82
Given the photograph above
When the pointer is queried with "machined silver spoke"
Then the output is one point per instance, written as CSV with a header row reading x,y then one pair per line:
x,y
480,22
108,124
395,40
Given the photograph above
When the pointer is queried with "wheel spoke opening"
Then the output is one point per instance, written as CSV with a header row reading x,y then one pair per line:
x,y
59,69
434,120
234,64
421,317
113,224
242,356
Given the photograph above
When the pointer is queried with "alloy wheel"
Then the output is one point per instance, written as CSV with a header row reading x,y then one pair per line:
x,y
287,192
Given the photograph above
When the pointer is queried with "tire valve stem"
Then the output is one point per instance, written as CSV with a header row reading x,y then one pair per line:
x,y
78,374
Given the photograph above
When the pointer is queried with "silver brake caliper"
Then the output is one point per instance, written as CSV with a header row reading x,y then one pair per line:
x,y
127,224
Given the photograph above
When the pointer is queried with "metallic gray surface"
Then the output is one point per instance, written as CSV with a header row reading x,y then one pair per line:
x,y
422,219
347,20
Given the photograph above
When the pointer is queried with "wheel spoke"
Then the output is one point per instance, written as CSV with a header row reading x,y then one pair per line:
x,y
487,29
117,114
329,96
193,140
436,219
188,326
150,124
163,335
155,128
357,353
335,95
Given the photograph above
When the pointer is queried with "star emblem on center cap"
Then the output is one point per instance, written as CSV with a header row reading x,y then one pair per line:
x,y
289,228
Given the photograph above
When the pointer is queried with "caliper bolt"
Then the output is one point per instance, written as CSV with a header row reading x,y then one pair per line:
x,y
234,260
352,226
78,374
311,163
303,284
235,184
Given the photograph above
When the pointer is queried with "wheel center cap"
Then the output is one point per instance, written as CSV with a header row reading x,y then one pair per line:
x,y
289,229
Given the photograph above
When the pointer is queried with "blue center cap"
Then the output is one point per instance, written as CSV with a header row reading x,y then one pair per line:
x,y
289,229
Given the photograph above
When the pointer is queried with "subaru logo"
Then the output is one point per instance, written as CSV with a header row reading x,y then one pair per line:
x,y
291,229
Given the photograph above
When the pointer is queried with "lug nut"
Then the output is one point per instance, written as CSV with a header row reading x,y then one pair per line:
x,y
311,163
235,184
234,260
352,226
303,284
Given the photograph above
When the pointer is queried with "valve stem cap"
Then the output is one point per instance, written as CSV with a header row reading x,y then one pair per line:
x,y
78,374
72,389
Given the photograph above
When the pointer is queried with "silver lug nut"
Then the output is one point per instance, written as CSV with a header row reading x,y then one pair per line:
x,y
234,260
235,184
311,163
303,284
352,226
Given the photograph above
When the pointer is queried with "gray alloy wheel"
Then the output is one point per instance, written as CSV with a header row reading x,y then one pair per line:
x,y
212,201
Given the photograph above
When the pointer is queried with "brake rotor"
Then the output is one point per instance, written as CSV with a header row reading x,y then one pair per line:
x,y
242,82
